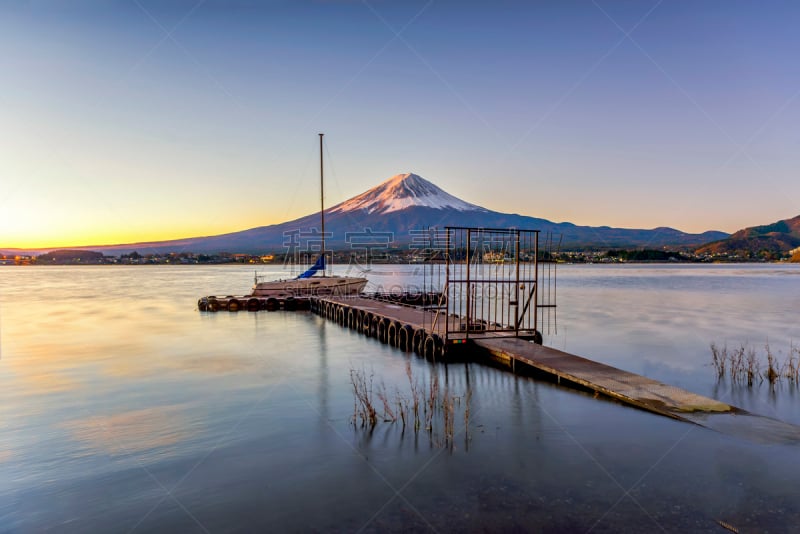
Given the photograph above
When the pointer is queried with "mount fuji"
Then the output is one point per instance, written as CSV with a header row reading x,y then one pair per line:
x,y
401,192
402,204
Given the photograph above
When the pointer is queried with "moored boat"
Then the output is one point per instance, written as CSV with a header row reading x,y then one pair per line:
x,y
309,284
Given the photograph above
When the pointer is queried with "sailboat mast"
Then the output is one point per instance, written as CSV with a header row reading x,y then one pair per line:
x,y
322,201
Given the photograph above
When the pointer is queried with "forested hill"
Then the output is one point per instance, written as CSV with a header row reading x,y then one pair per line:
x,y
70,256
770,241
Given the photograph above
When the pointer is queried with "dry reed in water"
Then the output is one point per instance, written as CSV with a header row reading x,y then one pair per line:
x,y
718,358
752,366
772,370
438,405
793,364
746,364
364,408
415,396
388,413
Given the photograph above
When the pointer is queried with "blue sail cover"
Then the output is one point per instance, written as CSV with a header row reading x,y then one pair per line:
x,y
319,266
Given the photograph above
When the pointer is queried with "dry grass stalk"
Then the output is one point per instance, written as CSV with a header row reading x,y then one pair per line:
x,y
430,404
402,408
752,366
736,363
388,414
746,364
415,396
449,416
364,408
772,373
718,358
437,404
793,364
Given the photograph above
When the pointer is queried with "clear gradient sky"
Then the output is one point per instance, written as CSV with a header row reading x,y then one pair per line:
x,y
135,120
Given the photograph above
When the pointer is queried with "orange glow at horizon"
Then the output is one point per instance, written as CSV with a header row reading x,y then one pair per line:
x,y
43,233
109,236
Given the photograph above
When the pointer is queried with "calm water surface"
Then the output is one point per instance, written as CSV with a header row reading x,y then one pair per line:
x,y
124,409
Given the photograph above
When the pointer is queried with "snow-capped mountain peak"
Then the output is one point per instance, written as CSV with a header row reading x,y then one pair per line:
x,y
404,191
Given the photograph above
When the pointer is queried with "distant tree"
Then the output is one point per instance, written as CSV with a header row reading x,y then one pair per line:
x,y
71,256
644,255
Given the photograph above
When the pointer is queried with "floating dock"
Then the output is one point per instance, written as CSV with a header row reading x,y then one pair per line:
x,y
234,303
493,289
627,387
495,292
414,329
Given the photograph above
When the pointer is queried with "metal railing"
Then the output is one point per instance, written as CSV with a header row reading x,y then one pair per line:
x,y
492,284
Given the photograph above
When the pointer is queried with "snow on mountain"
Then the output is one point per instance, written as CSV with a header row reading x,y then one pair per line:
x,y
404,191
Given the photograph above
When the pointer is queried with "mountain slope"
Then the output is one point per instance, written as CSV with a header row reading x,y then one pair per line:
x,y
400,192
399,207
777,238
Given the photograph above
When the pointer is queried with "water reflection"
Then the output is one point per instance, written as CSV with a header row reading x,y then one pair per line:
x,y
131,431
108,370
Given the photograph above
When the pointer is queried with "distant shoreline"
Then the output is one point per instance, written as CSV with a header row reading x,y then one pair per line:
x,y
392,256
263,265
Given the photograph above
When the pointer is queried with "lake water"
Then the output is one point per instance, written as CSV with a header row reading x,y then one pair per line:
x,y
124,409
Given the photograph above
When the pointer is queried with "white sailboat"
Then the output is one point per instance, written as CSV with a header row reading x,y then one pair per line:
x,y
309,284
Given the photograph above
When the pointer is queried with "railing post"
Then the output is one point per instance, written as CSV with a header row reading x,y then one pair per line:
x,y
536,281
469,292
516,286
447,286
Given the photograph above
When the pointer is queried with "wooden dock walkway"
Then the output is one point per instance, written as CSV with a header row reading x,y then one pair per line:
x,y
627,387
415,329
368,315
411,328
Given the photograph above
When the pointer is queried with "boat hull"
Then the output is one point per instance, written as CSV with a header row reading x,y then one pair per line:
x,y
310,287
